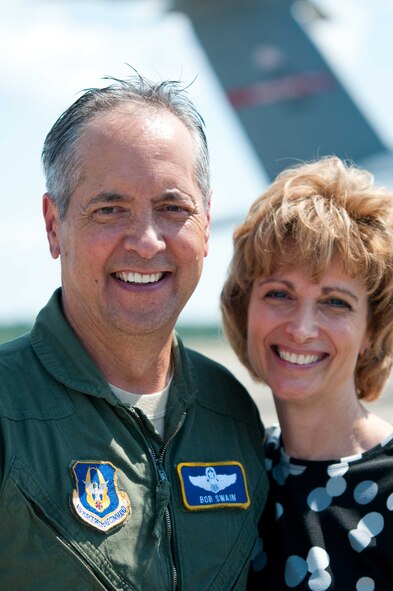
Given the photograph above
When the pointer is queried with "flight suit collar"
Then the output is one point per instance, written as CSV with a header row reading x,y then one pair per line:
x,y
66,359
62,353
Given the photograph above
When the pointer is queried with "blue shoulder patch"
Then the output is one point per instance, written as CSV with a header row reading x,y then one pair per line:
x,y
95,498
213,485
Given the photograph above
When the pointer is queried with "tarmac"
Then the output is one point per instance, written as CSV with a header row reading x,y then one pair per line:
x,y
220,351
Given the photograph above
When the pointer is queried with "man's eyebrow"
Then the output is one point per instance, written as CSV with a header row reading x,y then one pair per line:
x,y
174,195
110,197
107,197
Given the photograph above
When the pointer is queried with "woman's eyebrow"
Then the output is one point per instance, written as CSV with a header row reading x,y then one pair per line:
x,y
262,282
328,289
325,290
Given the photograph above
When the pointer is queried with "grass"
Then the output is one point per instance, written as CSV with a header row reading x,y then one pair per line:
x,y
210,332
11,331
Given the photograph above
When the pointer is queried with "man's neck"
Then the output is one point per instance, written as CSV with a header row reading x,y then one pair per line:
x,y
136,363
141,370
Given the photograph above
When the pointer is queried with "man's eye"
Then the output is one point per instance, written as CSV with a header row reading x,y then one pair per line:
x,y
180,212
107,210
174,208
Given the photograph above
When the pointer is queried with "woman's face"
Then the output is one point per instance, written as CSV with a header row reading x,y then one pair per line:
x,y
304,338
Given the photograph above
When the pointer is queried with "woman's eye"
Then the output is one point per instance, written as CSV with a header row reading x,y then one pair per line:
x,y
338,303
277,294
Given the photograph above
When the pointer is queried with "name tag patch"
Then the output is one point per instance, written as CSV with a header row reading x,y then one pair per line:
x,y
213,485
95,498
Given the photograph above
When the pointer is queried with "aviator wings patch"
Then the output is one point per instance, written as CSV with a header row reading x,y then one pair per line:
x,y
212,481
213,485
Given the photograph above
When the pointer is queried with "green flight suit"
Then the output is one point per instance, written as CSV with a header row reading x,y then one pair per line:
x,y
164,530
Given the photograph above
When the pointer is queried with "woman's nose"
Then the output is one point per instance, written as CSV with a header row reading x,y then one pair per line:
x,y
303,325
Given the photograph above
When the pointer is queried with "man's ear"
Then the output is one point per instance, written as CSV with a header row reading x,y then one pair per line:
x,y
207,228
52,224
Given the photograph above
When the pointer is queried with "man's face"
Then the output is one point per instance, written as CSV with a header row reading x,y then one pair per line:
x,y
134,236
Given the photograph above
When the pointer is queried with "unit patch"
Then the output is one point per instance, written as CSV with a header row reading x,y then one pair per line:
x,y
95,498
213,485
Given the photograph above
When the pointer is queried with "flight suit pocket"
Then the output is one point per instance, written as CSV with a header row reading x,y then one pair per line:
x,y
40,554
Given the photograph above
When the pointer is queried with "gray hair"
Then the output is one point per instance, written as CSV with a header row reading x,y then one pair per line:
x,y
61,158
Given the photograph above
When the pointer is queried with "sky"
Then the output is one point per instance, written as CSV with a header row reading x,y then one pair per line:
x,y
357,42
51,50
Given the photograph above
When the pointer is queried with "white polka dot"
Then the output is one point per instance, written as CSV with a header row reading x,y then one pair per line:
x,y
275,436
295,570
353,458
296,470
365,492
372,523
359,539
319,581
259,561
365,584
336,486
319,499
387,440
257,548
280,474
259,557
284,457
317,559
389,502
338,469
279,510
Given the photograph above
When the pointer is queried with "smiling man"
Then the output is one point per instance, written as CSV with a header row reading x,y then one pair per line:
x,y
132,241
108,424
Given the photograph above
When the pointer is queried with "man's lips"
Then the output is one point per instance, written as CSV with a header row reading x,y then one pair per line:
x,y
298,358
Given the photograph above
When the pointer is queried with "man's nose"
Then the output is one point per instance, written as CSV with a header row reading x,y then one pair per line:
x,y
303,325
145,238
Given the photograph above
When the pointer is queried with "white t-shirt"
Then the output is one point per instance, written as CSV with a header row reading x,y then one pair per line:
x,y
153,405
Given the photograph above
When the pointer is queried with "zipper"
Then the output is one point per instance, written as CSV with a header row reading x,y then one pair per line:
x,y
162,477
167,513
69,547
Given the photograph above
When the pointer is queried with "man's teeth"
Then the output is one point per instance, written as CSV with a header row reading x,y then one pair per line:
x,y
298,359
139,278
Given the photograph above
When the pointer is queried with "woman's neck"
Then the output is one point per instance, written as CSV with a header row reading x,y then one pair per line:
x,y
318,433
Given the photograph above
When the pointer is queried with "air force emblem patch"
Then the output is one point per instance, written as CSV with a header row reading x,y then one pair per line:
x,y
95,498
213,485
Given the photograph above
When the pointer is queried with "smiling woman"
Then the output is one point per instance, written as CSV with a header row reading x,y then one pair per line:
x,y
305,336
308,308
